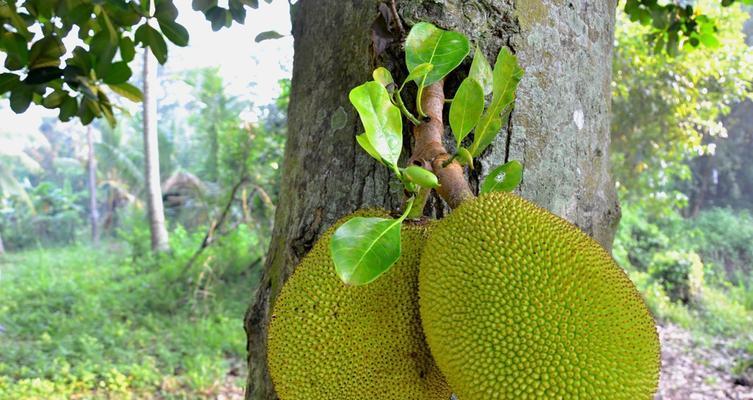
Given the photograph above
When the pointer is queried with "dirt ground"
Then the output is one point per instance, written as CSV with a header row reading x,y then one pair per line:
x,y
694,372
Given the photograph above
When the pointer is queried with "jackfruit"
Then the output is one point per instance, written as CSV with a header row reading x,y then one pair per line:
x,y
518,303
330,341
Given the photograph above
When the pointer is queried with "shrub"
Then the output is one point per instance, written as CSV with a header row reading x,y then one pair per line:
x,y
680,273
724,239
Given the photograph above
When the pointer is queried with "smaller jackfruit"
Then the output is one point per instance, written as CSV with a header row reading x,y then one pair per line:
x,y
517,303
330,341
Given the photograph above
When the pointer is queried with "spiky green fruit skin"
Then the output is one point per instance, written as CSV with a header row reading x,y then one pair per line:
x,y
518,303
330,341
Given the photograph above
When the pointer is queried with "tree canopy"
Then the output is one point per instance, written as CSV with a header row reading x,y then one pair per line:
x,y
72,54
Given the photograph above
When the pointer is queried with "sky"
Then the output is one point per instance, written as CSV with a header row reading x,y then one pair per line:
x,y
251,70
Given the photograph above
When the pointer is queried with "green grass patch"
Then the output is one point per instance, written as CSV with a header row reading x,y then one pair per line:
x,y
84,323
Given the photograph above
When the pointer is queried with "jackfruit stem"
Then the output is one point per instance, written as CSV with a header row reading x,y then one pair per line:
x,y
428,150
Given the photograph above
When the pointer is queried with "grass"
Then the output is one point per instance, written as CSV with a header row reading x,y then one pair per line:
x,y
84,323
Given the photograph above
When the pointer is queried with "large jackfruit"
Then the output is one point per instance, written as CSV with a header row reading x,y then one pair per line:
x,y
330,341
517,303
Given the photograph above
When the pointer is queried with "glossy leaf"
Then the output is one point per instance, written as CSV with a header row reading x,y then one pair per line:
x,y
466,109
418,73
364,248
504,178
383,76
381,120
363,141
428,44
421,176
481,70
506,76
464,157
128,91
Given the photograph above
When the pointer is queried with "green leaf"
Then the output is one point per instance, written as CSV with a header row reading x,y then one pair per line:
x,y
68,108
38,76
466,109
54,99
127,49
7,82
709,40
267,35
428,44
383,76
20,98
364,248
46,52
219,17
151,38
128,91
119,72
203,5
506,76
421,176
252,3
363,141
381,120
419,72
174,32
481,71
165,10
16,49
237,11
504,178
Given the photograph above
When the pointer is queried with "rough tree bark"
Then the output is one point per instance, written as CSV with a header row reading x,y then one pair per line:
x,y
559,129
2,247
92,169
151,157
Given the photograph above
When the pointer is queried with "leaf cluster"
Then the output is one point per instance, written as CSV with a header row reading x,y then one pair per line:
x,y
364,248
676,26
35,36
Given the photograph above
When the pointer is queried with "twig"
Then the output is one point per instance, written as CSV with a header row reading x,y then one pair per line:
x,y
215,224
396,17
428,150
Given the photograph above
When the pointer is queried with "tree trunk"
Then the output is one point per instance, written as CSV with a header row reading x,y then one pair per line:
x,y
151,157
92,167
2,247
559,129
